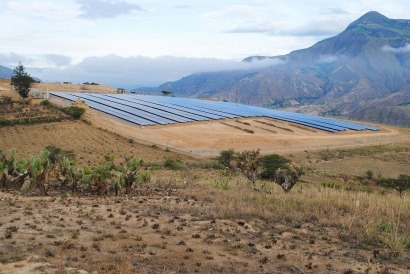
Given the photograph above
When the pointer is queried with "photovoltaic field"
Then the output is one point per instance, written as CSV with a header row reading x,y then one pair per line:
x,y
146,110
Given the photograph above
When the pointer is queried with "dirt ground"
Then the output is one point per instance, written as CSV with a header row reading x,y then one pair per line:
x,y
88,142
149,233
269,135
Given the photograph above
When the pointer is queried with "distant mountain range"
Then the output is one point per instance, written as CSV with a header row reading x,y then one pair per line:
x,y
5,73
362,73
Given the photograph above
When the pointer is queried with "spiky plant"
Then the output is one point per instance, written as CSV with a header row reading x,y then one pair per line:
x,y
38,170
130,173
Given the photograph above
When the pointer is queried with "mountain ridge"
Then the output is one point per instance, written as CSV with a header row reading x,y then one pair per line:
x,y
369,60
5,73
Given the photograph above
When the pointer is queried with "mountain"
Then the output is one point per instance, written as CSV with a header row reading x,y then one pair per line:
x,y
361,73
5,73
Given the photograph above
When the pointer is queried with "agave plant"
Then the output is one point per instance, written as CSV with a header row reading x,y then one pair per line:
x,y
130,174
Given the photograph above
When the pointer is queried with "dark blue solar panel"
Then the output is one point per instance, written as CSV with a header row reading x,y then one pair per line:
x,y
108,110
137,112
193,104
149,110
172,110
141,107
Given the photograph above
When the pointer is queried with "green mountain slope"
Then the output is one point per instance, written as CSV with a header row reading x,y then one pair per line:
x,y
369,60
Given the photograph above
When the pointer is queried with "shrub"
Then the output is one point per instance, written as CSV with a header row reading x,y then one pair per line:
x,y
173,163
74,111
400,184
223,184
327,154
57,154
143,177
288,177
271,163
334,185
45,103
5,100
370,174
226,157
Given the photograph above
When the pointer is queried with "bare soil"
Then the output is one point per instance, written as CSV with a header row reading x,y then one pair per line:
x,y
269,135
149,233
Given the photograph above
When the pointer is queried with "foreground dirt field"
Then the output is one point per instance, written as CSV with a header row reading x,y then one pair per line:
x,y
169,229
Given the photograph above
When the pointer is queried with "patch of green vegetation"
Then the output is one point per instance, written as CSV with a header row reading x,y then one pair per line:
x,y
334,185
74,111
173,163
223,184
30,121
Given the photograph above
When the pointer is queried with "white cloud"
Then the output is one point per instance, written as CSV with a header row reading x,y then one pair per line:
x,y
38,61
100,9
403,49
47,10
142,71
324,59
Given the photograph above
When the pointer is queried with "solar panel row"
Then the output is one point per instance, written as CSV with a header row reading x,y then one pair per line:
x,y
147,110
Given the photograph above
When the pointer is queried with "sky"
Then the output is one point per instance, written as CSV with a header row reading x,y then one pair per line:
x,y
134,43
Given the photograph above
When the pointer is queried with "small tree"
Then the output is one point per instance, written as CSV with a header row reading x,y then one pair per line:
x,y
288,176
166,92
271,163
400,184
226,157
249,163
21,81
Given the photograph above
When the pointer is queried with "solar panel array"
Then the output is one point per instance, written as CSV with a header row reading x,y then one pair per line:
x,y
148,110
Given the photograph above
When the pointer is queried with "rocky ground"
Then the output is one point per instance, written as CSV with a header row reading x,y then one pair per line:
x,y
148,233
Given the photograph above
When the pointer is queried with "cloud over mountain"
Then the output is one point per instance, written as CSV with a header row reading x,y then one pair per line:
x,y
96,9
139,71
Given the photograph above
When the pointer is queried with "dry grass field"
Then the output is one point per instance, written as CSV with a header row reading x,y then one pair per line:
x,y
270,135
201,218
5,88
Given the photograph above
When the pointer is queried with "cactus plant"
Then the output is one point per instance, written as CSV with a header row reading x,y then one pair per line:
x,y
38,170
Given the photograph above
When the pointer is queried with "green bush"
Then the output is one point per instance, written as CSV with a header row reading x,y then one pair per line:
x,y
143,177
74,111
45,103
331,185
223,184
271,163
226,156
5,100
173,163
30,121
400,184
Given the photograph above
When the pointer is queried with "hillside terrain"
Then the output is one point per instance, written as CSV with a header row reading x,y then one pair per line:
x,y
5,89
197,213
5,73
204,219
362,73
